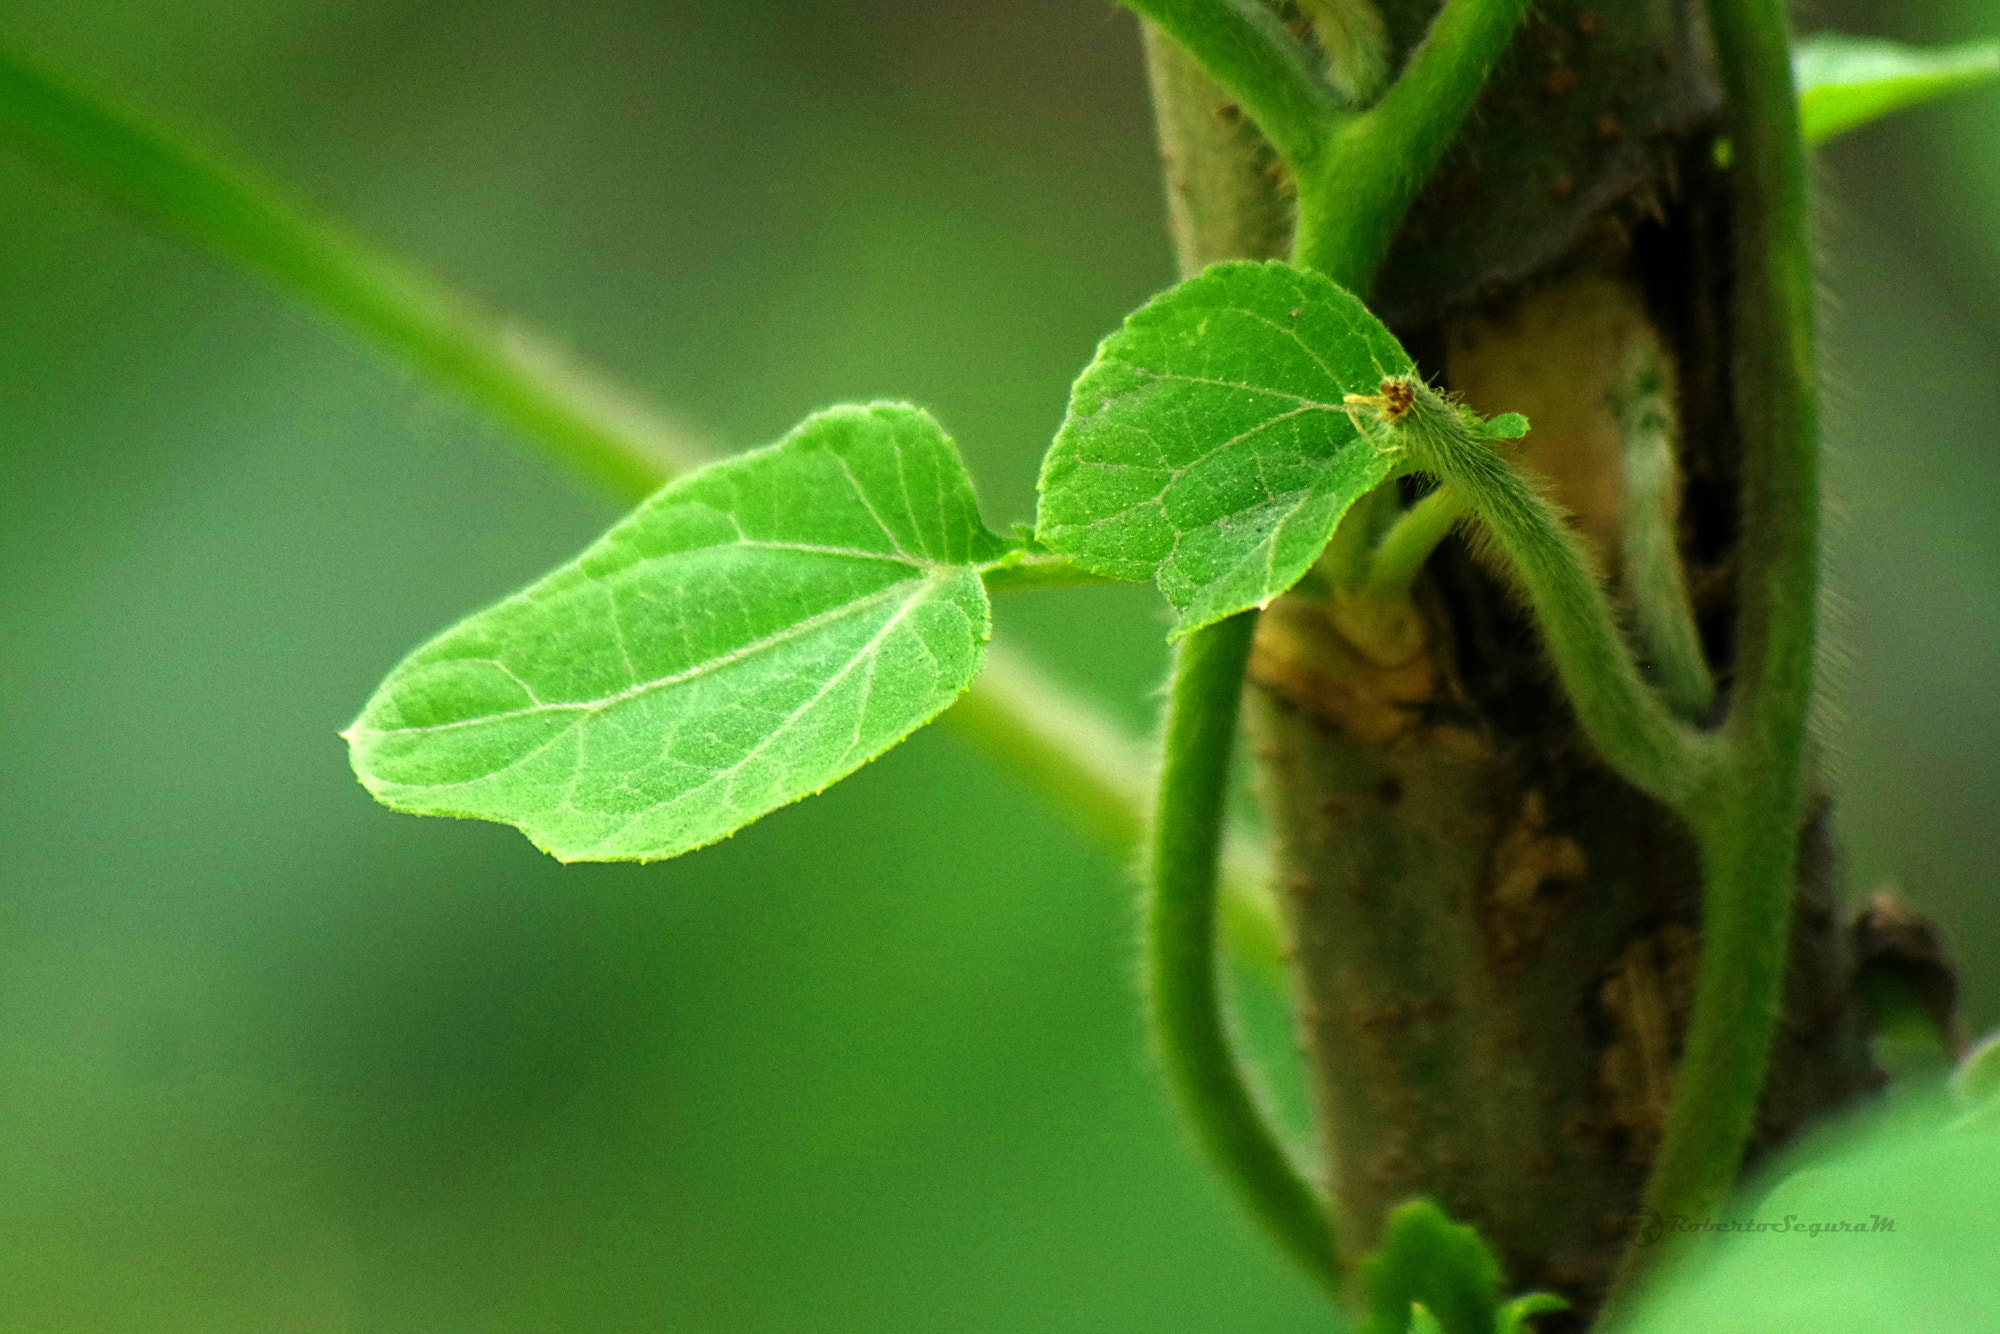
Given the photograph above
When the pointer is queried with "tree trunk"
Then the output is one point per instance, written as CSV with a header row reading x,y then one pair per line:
x,y
1495,936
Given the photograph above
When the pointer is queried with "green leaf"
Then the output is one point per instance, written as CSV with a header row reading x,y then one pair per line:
x,y
1975,1084
1426,1258
1208,445
1422,1321
1513,1316
1845,82
749,635
1891,1230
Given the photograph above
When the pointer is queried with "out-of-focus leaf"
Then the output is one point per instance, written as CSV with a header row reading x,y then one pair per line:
x,y
1845,82
1427,1259
1892,1234
1209,446
1422,1321
1975,1084
1514,1315
749,635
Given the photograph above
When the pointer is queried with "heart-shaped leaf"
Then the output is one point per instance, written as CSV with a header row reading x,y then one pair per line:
x,y
1208,444
749,635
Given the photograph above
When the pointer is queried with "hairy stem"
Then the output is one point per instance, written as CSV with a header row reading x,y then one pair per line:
x,y
1653,576
1353,194
1400,557
1349,556
1270,73
1356,42
1750,831
1180,947
1635,732
1370,597
1347,213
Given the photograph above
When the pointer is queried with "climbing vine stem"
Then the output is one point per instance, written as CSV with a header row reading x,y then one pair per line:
x,y
1354,192
1350,203
1180,947
1630,724
1748,823
1272,75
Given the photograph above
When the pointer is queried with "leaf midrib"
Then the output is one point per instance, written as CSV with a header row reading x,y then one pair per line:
x,y
928,575
826,687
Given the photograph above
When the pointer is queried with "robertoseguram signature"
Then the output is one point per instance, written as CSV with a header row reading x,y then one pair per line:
x,y
1649,1226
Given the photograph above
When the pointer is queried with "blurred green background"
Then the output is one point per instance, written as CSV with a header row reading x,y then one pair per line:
x,y
273,1059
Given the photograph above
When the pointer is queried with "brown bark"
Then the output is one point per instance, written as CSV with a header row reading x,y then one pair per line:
x,y
1494,935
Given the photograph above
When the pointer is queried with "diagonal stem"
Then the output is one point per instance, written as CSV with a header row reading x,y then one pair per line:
x,y
1352,195
1393,567
1628,723
527,381
1271,74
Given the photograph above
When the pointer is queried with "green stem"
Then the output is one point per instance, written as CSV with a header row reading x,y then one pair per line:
x,y
525,380
1624,718
1356,43
1068,751
1371,601
1351,201
1256,60
1353,193
1181,981
1750,829
1347,557
1400,557
1037,570
1091,771
1654,578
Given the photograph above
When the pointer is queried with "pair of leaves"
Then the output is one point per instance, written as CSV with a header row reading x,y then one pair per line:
x,y
1434,1276
767,625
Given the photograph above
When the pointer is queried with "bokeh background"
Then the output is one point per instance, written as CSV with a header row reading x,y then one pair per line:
x,y
274,1060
